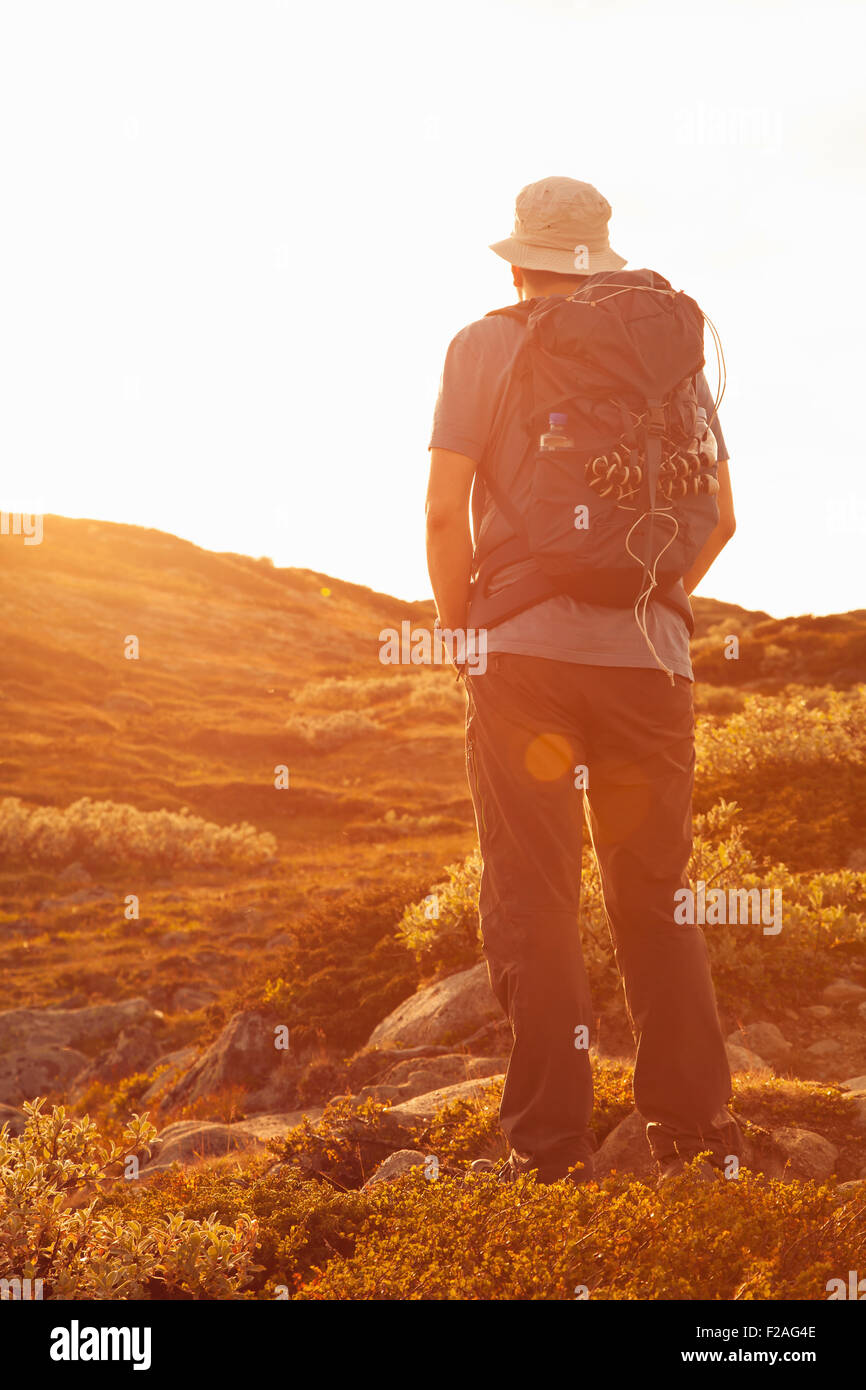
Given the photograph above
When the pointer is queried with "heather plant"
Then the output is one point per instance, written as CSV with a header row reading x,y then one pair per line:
x,y
442,928
98,833
55,1224
322,733
772,729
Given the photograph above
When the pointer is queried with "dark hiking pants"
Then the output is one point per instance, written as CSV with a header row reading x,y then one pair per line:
x,y
532,723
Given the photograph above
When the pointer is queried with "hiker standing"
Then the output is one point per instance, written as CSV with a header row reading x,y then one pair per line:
x,y
576,421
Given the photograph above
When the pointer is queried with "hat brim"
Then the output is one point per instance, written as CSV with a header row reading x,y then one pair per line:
x,y
549,258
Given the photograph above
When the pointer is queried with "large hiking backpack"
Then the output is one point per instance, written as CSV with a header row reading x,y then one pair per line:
x,y
619,515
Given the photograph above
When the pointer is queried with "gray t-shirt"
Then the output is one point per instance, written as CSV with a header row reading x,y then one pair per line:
x,y
473,382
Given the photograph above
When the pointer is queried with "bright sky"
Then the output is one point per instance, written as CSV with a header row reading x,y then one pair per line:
x,y
238,236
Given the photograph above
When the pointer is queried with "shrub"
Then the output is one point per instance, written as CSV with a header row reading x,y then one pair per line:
x,y
98,833
332,730
88,1251
442,928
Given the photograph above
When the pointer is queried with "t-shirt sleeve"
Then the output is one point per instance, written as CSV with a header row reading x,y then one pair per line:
x,y
705,398
463,414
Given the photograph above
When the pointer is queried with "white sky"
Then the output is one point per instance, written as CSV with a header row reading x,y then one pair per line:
x,y
238,237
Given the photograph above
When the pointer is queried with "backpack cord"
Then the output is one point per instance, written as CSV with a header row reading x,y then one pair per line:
x,y
641,617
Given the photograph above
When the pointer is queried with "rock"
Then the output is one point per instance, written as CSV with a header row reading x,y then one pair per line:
x,y
818,1011
740,1059
843,991
188,1140
14,1118
421,1109
24,1075
825,1047
243,1055
861,1009
189,1000
133,1052
382,1093
123,700
74,873
265,1127
447,1011
415,1078
765,1039
808,1155
282,941
858,1105
71,1027
851,1189
854,1083
626,1150
396,1165
175,1063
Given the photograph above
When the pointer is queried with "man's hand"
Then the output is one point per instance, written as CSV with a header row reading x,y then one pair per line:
x,y
449,536
718,538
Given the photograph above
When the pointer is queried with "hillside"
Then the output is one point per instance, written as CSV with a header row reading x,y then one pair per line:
x,y
166,906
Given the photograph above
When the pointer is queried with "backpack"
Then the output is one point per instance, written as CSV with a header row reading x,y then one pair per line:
x,y
623,503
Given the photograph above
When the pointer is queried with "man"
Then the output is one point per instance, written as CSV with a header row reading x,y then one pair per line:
x,y
571,684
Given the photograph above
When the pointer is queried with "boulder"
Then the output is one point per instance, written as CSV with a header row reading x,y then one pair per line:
x,y
265,1127
842,991
808,1155
740,1059
243,1055
133,1052
185,1141
433,1074
854,1083
626,1150
396,1165
421,1109
765,1039
818,1011
14,1118
24,1075
175,1063
189,999
858,1105
824,1048
447,1011
71,1027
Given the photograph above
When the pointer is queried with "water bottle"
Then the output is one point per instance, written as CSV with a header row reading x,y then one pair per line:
x,y
555,436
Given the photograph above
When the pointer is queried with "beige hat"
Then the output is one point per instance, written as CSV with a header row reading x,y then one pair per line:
x,y
560,224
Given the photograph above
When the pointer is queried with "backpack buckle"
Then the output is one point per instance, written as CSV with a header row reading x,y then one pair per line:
x,y
655,418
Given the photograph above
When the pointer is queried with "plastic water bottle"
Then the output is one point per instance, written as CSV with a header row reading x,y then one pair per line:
x,y
555,436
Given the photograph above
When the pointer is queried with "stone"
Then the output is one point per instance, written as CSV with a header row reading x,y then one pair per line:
x,y
861,1009
740,1059
854,1083
74,873
175,1063
824,1047
185,1141
242,1055
395,1166
765,1039
416,1077
28,1073
842,991
808,1155
188,999
71,1027
626,1150
858,1105
818,1011
134,1051
855,1188
421,1109
14,1118
447,1011
265,1127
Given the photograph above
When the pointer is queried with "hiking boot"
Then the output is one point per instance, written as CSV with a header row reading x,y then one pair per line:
x,y
675,1167
578,1172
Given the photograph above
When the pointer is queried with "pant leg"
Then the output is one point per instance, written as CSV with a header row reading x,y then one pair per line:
x,y
521,755
641,773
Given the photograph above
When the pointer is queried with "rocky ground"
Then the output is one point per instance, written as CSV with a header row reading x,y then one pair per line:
x,y
444,1043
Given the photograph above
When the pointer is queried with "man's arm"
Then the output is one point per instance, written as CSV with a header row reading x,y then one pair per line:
x,y
719,537
449,536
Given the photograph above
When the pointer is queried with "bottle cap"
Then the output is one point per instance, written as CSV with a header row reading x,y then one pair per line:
x,y
556,418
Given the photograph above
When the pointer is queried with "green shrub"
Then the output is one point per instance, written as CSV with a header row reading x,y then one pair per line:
x,y
88,1251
